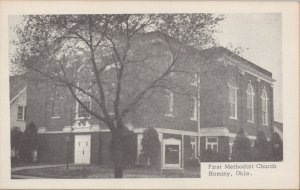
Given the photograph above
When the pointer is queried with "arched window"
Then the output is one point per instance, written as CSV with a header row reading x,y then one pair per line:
x,y
250,104
232,99
264,103
84,82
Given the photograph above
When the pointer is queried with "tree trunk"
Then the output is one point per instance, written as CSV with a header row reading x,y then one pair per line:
x,y
117,150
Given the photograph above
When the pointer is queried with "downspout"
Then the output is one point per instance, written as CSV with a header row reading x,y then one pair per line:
x,y
198,119
242,73
257,108
45,114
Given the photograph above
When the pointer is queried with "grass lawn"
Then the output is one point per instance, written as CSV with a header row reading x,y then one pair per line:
x,y
93,171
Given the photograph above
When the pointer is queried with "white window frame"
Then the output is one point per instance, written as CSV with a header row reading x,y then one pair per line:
x,y
193,108
55,103
139,146
78,109
83,99
264,98
170,97
250,94
23,112
234,88
212,143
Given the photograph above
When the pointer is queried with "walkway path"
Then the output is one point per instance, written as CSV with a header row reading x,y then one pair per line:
x,y
37,167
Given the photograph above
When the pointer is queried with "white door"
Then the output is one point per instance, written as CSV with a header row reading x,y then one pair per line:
x,y
82,151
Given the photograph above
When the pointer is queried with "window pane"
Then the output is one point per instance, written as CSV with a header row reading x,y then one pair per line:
x,y
81,111
20,112
232,101
264,117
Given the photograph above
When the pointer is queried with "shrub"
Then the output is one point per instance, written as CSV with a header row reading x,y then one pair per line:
x,y
28,143
129,147
276,147
241,149
261,149
151,146
15,138
192,163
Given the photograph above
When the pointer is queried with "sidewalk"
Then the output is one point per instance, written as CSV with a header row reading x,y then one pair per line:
x,y
38,167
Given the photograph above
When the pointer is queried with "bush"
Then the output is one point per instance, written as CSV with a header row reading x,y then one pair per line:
x,y
276,148
28,143
15,138
192,163
129,155
261,149
210,155
241,149
151,147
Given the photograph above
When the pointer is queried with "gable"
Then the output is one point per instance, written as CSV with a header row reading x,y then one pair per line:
x,y
17,83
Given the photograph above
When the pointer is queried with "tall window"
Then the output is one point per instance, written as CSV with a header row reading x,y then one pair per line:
x,y
250,104
232,100
84,82
193,108
21,113
194,79
212,143
82,112
170,97
264,103
56,102
194,146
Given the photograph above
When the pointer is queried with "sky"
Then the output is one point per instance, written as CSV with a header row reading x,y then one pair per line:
x,y
259,34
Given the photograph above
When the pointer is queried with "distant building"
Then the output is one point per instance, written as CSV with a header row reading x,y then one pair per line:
x,y
227,93
18,101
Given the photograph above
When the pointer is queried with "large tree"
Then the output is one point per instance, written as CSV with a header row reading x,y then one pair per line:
x,y
129,57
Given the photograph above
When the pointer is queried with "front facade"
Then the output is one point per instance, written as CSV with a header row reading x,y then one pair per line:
x,y
228,93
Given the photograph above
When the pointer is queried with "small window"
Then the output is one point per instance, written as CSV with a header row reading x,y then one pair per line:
x,y
193,108
212,143
21,113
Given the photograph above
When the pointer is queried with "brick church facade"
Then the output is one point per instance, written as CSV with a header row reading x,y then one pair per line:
x,y
229,93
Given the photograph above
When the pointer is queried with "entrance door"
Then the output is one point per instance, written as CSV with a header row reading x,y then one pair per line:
x,y
82,149
172,153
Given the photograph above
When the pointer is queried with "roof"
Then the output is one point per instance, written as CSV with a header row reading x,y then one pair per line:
x,y
218,50
16,84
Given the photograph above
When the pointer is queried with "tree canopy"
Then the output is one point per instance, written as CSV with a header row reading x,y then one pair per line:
x,y
56,46
127,56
